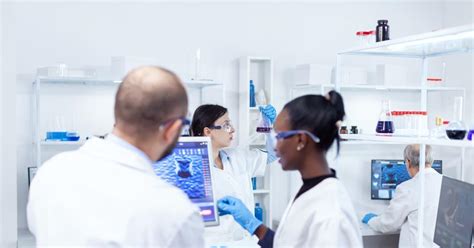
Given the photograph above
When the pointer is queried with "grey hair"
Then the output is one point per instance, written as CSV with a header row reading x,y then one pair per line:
x,y
412,153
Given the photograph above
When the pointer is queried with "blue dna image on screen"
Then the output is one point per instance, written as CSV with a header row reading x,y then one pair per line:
x,y
386,175
188,168
184,171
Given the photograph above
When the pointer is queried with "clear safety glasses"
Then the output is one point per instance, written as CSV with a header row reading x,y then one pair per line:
x,y
226,127
291,133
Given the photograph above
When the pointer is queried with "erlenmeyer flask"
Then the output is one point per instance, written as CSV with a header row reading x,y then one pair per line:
x,y
457,129
385,122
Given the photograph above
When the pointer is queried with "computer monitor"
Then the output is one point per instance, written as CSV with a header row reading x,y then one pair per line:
x,y
189,168
387,174
455,218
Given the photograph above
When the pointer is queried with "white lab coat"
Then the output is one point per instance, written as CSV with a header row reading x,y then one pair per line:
x,y
403,210
104,195
240,165
321,217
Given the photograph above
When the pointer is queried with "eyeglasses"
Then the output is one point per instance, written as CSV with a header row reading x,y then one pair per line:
x,y
291,133
226,127
184,121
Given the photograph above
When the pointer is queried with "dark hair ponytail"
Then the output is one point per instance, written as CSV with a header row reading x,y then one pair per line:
x,y
320,115
205,116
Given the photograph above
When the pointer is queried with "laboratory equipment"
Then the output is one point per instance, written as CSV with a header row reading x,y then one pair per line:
x,y
457,129
258,212
470,135
382,30
344,130
385,123
386,174
189,169
410,123
264,124
254,183
455,221
252,94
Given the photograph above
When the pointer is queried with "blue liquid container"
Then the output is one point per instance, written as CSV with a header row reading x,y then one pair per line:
x,y
258,212
384,127
252,94
254,183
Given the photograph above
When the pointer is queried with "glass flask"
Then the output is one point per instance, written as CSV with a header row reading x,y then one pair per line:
x,y
385,122
457,129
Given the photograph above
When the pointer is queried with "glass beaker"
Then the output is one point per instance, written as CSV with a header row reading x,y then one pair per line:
x,y
264,124
457,129
385,122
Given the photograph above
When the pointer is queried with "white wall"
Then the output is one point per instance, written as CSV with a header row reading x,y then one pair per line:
x,y
8,179
88,34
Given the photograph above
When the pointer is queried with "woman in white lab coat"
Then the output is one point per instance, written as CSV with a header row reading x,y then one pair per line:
x,y
321,214
233,167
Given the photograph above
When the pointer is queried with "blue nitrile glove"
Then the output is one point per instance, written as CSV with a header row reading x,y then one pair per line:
x,y
270,146
268,111
367,217
236,208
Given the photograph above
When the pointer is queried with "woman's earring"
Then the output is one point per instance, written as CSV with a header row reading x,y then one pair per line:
x,y
299,147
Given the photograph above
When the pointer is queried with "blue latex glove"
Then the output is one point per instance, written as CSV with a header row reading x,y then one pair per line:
x,y
268,111
236,208
367,217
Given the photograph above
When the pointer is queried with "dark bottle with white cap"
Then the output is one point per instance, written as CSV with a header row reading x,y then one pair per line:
x,y
382,31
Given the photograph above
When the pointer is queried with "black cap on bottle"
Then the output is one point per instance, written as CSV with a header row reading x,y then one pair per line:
x,y
382,21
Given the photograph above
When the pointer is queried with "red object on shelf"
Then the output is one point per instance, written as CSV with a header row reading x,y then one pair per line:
x,y
434,79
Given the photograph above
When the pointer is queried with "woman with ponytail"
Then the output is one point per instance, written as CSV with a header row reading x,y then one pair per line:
x,y
321,214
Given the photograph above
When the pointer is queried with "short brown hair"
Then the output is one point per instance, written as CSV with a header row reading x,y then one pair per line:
x,y
147,97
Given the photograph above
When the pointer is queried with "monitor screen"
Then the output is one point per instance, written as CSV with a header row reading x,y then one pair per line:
x,y
188,168
455,218
386,174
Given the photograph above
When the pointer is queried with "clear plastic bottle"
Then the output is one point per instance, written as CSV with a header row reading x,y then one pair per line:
x,y
385,123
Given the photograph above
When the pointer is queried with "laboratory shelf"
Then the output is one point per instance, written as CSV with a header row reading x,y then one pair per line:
x,y
406,140
91,81
378,87
62,143
72,80
436,43
261,191
200,83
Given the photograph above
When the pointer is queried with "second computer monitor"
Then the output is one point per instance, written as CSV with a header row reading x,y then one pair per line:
x,y
386,174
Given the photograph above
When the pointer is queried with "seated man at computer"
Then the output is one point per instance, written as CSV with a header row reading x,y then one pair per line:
x,y
402,213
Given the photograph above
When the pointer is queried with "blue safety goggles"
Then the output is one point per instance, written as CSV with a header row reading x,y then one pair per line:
x,y
291,133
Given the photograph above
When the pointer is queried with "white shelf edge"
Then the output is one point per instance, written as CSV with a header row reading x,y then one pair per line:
x,y
380,87
62,143
372,49
261,191
407,140
71,80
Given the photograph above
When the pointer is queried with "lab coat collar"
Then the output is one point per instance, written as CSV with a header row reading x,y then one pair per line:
x,y
109,150
427,171
119,141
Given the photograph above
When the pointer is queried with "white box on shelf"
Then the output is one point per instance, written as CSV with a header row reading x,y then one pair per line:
x,y
354,75
121,65
62,70
390,74
313,74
